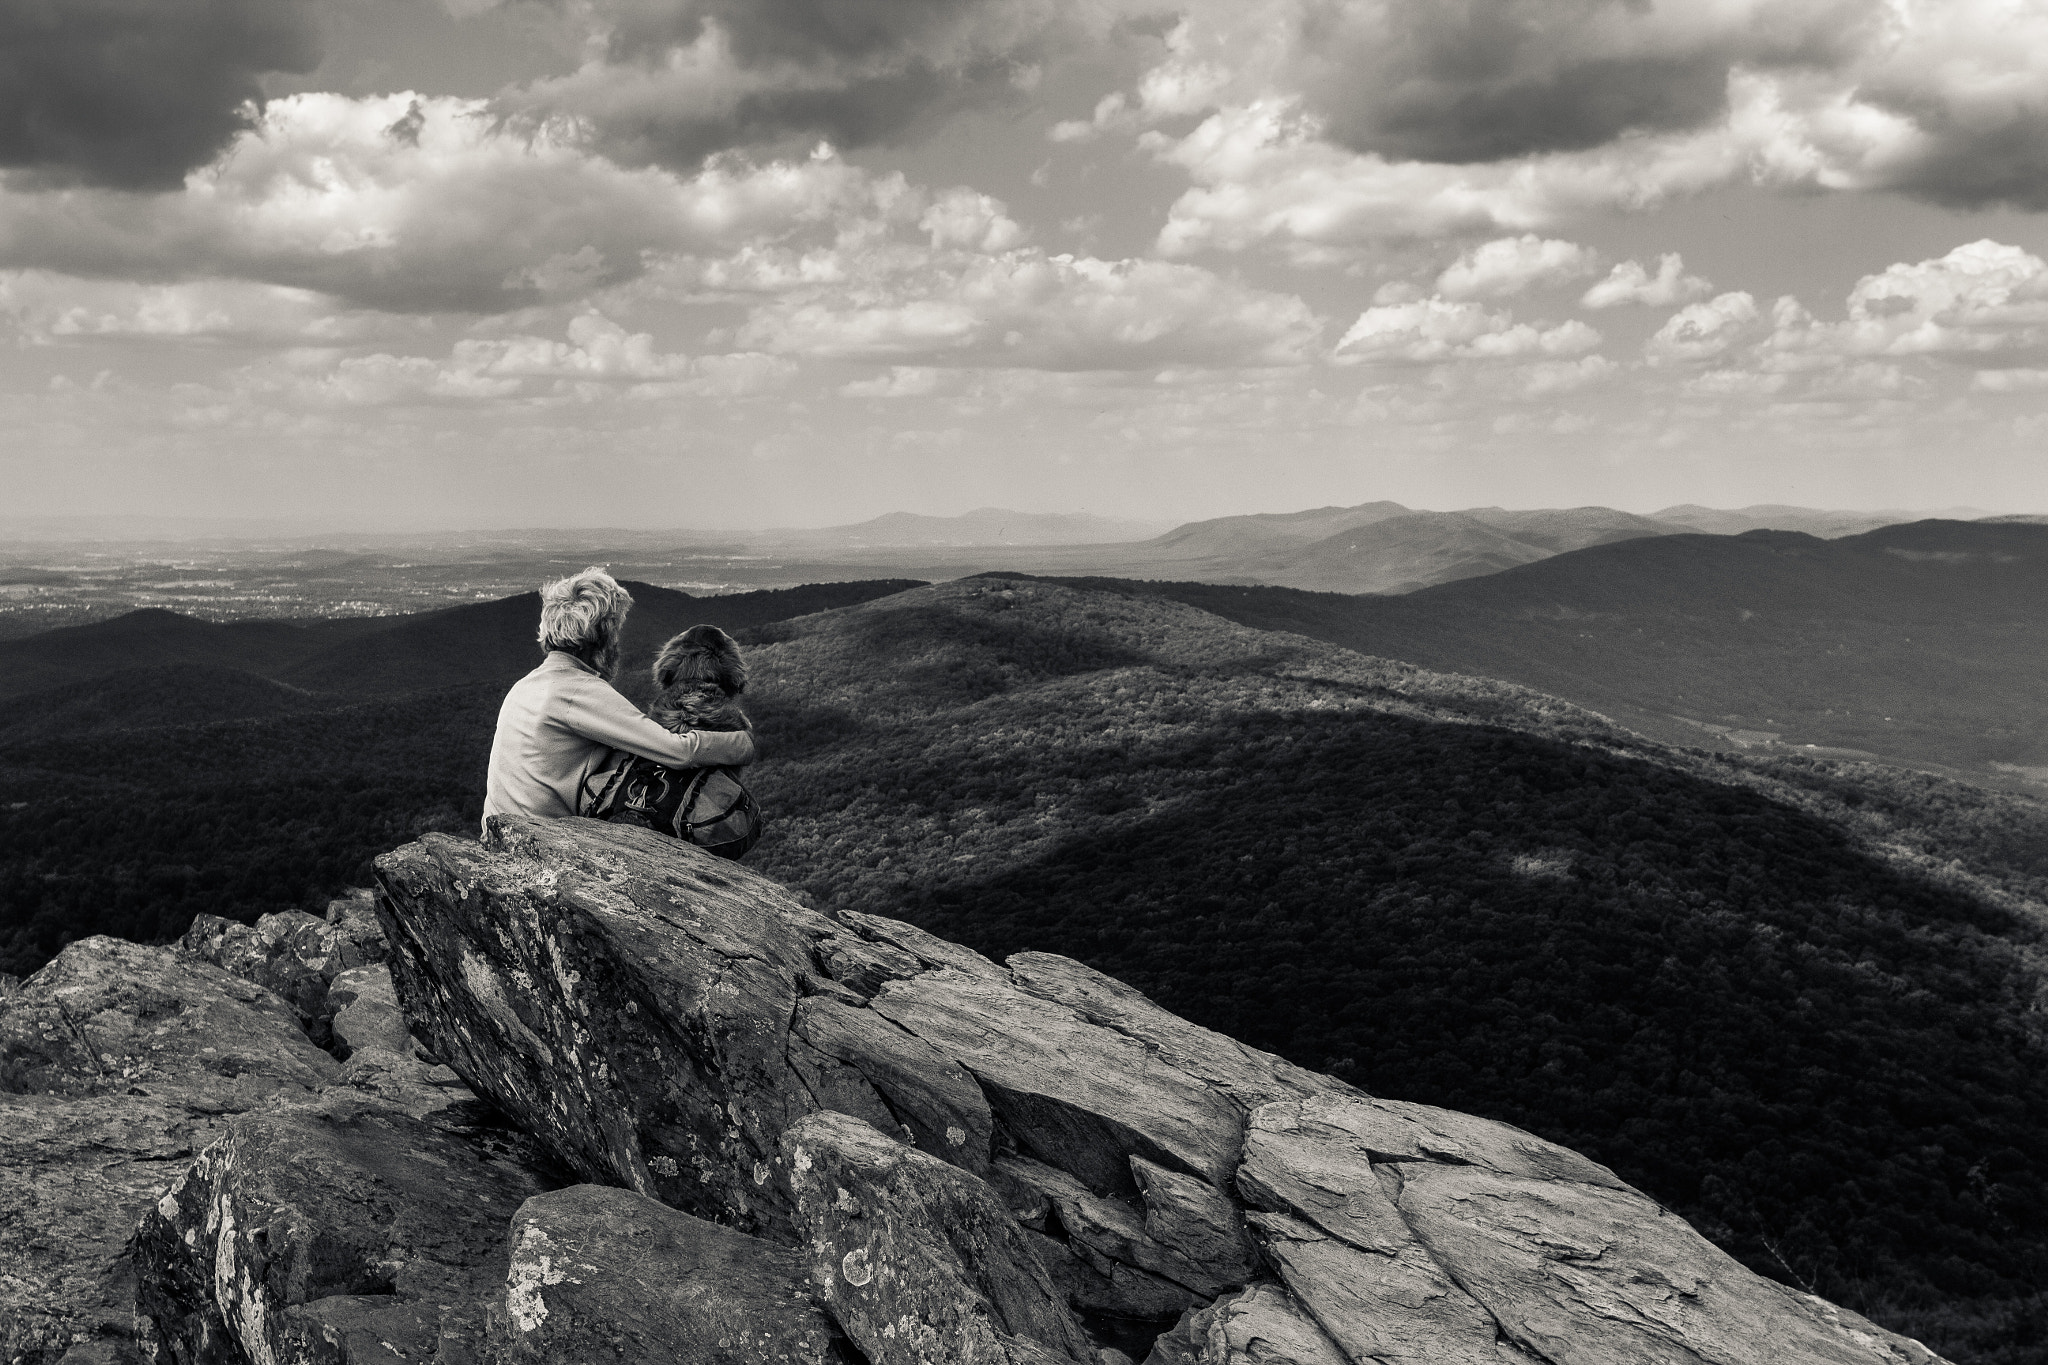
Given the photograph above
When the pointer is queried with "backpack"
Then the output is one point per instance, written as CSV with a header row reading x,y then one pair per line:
x,y
708,807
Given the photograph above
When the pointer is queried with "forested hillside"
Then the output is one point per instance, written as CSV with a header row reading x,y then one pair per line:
x,y
1797,1001
351,658
1921,643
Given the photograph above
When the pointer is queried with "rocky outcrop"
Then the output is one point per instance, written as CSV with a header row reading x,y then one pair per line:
x,y
807,1139
347,1235
296,955
1012,1163
118,1065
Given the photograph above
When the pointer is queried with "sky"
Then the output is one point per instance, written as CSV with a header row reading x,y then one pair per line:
x,y
738,263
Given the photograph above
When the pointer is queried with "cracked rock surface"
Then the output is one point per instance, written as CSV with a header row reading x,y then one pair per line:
x,y
118,1064
605,1274
918,1260
343,1236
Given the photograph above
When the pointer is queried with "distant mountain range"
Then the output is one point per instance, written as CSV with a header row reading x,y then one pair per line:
x,y
1922,643
1813,521
984,526
1375,547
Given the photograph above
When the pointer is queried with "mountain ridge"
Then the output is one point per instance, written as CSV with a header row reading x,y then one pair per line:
x,y
1919,642
359,657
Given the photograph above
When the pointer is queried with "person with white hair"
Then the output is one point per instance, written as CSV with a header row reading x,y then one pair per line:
x,y
564,721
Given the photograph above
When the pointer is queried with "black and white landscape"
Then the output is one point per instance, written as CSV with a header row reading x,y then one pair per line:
x,y
1400,652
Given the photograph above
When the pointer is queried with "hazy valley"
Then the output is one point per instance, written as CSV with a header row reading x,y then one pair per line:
x,y
70,572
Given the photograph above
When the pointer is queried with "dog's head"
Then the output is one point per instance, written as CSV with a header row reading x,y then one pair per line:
x,y
701,654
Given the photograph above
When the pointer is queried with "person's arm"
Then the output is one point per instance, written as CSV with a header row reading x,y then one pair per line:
x,y
596,711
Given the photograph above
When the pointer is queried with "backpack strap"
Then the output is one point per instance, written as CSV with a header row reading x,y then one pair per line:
x,y
598,794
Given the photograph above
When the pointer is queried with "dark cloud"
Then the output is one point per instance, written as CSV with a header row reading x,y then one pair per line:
x,y
808,32
1484,80
134,93
853,72
1972,163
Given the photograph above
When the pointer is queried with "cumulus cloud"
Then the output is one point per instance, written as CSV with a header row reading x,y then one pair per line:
x,y
1705,331
1979,300
599,359
1487,80
134,93
1265,172
1436,329
1629,282
418,204
1531,114
963,218
1509,265
49,309
1025,307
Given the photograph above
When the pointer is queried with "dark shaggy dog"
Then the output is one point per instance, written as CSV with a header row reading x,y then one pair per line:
x,y
701,676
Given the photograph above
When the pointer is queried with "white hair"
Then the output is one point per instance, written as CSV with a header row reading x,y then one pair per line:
x,y
583,611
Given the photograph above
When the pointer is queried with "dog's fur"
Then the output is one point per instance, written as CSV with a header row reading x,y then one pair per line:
x,y
700,676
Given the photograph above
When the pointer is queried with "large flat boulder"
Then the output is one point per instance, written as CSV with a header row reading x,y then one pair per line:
x,y
935,1100
334,1238
625,997
1072,1093
1246,1075
599,1274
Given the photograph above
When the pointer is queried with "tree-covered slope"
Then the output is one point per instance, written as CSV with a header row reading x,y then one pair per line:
x,y
1919,643
360,657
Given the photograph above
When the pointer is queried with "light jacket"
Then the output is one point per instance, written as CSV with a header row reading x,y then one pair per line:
x,y
562,722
